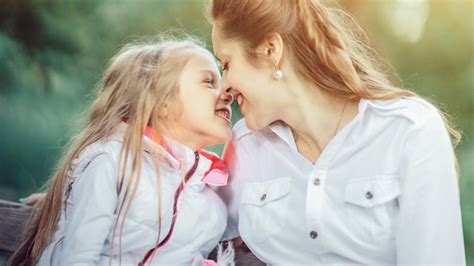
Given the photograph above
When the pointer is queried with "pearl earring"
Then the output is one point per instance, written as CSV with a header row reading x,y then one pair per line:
x,y
278,74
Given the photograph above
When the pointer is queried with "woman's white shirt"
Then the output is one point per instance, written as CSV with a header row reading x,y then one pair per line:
x,y
84,233
384,191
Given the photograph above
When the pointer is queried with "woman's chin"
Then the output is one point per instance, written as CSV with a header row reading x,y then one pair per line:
x,y
254,125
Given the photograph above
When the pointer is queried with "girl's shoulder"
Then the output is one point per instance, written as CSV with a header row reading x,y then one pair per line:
x,y
108,150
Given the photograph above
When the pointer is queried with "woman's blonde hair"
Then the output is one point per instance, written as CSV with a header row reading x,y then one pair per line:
x,y
139,81
326,46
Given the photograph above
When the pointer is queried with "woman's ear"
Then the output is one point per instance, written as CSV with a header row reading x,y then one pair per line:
x,y
272,46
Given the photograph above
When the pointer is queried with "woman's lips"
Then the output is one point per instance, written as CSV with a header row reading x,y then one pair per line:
x,y
239,99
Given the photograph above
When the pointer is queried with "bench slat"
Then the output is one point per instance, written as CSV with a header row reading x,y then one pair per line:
x,y
13,218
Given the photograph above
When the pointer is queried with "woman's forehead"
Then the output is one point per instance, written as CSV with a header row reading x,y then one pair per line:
x,y
224,48
217,42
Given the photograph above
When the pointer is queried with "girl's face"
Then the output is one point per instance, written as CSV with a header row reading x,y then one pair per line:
x,y
256,91
204,116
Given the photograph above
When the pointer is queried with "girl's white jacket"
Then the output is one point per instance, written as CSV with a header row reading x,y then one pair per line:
x,y
91,203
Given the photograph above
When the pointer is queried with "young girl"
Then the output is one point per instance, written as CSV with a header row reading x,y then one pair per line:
x,y
133,186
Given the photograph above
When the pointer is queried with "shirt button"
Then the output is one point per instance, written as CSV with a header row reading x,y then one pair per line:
x,y
317,182
369,195
263,197
313,234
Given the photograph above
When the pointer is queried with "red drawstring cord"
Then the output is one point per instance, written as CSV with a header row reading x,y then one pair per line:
x,y
151,253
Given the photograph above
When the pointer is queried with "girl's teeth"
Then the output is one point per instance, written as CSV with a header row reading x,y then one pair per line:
x,y
222,114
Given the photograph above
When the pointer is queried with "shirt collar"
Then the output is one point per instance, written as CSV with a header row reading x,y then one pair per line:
x,y
179,157
210,169
283,131
173,154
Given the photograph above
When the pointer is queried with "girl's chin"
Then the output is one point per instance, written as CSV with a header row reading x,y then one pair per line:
x,y
221,137
226,136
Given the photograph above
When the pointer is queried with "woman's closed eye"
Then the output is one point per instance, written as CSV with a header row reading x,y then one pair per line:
x,y
225,66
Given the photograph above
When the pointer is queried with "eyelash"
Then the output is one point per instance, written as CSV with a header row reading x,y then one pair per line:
x,y
210,82
225,66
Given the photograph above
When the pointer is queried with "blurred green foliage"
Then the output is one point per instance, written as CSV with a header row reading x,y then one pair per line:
x,y
52,54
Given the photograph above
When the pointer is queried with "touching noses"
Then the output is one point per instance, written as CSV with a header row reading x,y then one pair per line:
x,y
226,96
228,92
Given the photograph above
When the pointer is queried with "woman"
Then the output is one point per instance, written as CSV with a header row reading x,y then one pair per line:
x,y
332,164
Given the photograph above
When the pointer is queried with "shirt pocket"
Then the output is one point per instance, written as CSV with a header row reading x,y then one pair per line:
x,y
371,206
263,208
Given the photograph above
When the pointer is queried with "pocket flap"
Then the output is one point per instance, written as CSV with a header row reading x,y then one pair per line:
x,y
260,193
371,192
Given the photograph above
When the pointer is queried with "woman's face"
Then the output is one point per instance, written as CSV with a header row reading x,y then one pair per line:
x,y
256,91
204,116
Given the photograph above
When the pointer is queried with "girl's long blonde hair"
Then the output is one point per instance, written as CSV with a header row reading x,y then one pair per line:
x,y
326,46
139,82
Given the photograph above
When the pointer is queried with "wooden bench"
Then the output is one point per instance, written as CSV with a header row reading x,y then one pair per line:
x,y
13,218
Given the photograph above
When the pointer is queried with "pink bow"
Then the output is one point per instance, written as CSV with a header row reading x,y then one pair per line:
x,y
217,175
208,263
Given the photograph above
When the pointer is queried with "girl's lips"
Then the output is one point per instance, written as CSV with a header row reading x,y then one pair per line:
x,y
224,113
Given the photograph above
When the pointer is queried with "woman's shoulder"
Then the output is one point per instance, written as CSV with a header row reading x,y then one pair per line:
x,y
414,109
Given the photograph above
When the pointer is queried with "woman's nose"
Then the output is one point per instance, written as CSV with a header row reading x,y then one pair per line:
x,y
226,87
227,96
232,91
227,92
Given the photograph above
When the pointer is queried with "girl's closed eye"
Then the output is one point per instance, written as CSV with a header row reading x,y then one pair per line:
x,y
211,83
